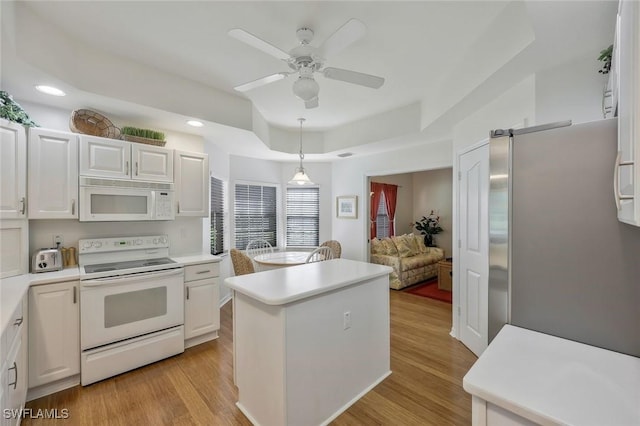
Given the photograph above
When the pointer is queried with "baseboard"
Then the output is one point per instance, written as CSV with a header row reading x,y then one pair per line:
x,y
225,300
246,414
200,339
355,399
49,388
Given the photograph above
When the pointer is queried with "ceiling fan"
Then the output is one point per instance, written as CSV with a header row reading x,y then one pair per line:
x,y
305,60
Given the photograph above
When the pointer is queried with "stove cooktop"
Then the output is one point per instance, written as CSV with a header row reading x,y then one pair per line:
x,y
131,264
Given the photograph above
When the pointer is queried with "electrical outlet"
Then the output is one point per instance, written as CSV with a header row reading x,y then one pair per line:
x,y
346,320
58,239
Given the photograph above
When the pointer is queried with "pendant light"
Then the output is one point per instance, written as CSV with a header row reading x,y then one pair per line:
x,y
300,177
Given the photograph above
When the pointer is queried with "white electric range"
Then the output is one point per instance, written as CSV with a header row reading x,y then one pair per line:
x,y
131,304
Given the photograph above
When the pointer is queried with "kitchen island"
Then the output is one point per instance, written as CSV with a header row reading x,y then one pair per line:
x,y
309,340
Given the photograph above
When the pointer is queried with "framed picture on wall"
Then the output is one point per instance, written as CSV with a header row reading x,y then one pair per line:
x,y
347,206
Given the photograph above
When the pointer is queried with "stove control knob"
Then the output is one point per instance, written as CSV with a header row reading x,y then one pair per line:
x,y
97,244
86,245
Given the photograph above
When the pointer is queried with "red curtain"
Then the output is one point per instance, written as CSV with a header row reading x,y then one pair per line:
x,y
390,197
376,193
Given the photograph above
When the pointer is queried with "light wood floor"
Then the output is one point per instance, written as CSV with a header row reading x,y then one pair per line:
x,y
196,388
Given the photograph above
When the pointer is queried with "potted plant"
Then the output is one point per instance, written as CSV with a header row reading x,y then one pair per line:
x,y
605,57
429,226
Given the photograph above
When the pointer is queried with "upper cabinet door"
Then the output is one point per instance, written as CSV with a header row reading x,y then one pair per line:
x,y
53,174
627,179
192,184
105,157
13,170
152,163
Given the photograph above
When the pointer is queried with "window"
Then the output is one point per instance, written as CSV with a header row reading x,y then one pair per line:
x,y
303,216
218,215
382,220
255,214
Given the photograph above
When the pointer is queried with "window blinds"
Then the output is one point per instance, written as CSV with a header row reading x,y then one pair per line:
x,y
255,214
382,220
218,214
303,216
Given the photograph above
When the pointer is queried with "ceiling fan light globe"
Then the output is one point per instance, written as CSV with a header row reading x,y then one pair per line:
x,y
306,88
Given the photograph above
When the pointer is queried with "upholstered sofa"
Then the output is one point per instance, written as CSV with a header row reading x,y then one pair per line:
x,y
411,260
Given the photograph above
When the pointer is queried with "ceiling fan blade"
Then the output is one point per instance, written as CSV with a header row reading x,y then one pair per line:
x,y
311,103
258,43
354,77
261,81
350,32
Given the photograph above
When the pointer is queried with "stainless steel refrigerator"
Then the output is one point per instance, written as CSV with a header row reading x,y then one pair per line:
x,y
560,262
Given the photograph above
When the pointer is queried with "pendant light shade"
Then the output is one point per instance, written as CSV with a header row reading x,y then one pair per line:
x,y
300,177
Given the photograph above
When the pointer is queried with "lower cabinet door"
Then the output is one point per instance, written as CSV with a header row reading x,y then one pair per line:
x,y
201,307
54,332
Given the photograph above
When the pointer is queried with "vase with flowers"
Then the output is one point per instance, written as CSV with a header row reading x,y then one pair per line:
x,y
429,226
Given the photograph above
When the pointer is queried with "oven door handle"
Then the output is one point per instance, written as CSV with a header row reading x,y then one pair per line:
x,y
129,278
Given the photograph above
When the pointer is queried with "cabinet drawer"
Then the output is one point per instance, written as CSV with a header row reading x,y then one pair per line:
x,y
13,329
201,271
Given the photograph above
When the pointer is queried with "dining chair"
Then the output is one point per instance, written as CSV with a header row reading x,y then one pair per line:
x,y
335,246
320,254
256,247
242,263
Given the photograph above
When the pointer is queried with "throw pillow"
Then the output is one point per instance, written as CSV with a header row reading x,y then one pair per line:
x,y
376,246
403,245
414,240
389,247
420,240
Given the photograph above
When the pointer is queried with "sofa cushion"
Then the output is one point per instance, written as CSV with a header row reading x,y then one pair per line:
x,y
389,247
415,243
404,246
376,246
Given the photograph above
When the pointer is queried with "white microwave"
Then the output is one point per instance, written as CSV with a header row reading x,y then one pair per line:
x,y
109,200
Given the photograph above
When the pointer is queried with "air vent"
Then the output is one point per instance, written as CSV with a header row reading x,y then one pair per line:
x,y
345,154
120,183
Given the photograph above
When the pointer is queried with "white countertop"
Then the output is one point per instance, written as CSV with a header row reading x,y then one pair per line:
x,y
14,288
286,285
196,259
547,379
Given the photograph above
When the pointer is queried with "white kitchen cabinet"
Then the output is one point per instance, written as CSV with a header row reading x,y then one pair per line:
x,y
102,157
13,170
53,174
192,184
13,376
14,247
201,304
54,333
627,176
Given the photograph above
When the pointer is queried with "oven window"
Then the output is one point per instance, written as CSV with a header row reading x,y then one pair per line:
x,y
125,308
118,204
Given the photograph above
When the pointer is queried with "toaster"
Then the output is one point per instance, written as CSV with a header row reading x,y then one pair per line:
x,y
46,260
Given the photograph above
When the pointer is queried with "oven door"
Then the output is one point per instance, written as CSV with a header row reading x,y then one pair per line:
x,y
118,308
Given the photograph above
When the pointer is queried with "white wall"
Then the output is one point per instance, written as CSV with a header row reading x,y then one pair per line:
x,y
571,91
350,178
433,190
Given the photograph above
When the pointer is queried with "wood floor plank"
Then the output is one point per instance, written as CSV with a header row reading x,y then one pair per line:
x,y
196,388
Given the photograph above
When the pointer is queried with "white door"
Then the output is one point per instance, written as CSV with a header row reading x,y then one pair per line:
x,y
13,170
192,184
473,263
54,332
53,174
152,163
105,157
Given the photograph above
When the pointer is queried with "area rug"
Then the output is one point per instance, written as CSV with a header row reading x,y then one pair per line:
x,y
429,289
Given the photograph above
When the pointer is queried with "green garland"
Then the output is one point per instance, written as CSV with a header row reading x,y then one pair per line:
x,y
12,111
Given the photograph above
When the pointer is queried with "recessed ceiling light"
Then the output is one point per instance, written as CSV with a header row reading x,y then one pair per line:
x,y
195,123
50,90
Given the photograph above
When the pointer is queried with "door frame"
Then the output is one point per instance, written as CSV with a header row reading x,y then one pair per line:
x,y
455,309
